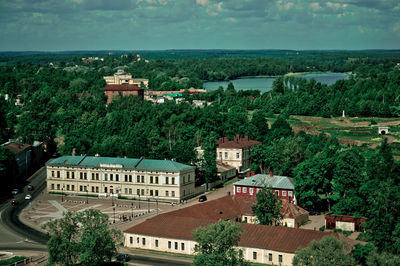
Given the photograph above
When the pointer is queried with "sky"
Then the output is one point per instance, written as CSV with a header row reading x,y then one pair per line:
x,y
65,25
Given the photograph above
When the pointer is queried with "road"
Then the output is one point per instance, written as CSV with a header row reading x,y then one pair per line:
x,y
16,236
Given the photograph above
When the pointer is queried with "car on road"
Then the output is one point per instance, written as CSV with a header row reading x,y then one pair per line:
x,y
15,191
202,198
28,196
14,202
122,257
30,187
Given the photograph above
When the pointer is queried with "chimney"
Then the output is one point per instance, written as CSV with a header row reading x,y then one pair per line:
x,y
271,174
225,139
246,138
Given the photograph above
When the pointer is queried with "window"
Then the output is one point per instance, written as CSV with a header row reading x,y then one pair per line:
x,y
67,187
173,181
85,175
97,176
73,175
58,186
245,190
117,177
80,175
237,155
58,174
251,191
156,180
166,193
166,180
280,258
254,255
92,176
176,245
97,189
73,187
156,242
131,240
105,177
138,191
220,154
290,193
67,174
130,191
92,189
126,191
52,173
184,179
151,192
182,246
105,190
143,241
169,244
80,188
277,192
270,257
142,191
173,193
126,178
156,193
226,155
151,180
52,186
138,179
130,178
238,189
111,177
283,193
142,178
137,240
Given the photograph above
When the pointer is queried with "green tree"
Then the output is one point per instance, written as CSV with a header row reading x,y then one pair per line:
x,y
217,244
382,259
209,163
328,251
268,207
81,237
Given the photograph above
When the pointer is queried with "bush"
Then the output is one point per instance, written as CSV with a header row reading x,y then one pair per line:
x,y
322,228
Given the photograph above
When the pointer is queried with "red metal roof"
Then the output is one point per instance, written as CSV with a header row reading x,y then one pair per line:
x,y
16,147
123,87
237,142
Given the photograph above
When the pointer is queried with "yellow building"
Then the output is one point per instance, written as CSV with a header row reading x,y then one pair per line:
x,y
121,77
162,180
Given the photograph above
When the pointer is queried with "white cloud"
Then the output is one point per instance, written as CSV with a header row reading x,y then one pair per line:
x,y
284,6
336,5
202,2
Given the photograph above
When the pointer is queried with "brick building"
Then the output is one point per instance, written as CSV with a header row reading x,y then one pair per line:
x,y
123,90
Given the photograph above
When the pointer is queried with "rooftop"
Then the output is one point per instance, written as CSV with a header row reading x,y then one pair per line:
x,y
237,142
124,163
274,181
123,87
16,147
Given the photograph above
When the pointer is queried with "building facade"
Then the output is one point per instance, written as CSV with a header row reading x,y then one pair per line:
x,y
235,152
123,90
283,186
161,180
121,78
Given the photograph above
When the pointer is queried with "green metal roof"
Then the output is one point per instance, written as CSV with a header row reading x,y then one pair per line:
x,y
275,181
125,163
173,95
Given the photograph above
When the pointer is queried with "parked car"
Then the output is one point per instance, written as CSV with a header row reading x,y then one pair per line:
x,y
30,187
202,198
314,212
15,191
14,202
122,257
28,196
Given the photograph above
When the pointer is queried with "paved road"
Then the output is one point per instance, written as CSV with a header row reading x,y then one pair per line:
x,y
13,234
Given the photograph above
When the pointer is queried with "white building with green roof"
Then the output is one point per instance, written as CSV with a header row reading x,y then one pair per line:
x,y
162,180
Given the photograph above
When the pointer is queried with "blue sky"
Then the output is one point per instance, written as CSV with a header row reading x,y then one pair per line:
x,y
58,25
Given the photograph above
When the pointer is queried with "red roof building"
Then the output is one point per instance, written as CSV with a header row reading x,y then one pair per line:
x,y
123,90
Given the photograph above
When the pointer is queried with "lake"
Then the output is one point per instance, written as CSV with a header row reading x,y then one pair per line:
x,y
265,84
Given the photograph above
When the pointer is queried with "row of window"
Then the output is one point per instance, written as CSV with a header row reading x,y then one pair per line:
x,y
176,244
270,258
111,177
226,155
252,190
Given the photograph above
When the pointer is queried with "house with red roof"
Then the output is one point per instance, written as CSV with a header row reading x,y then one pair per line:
x,y
172,232
236,152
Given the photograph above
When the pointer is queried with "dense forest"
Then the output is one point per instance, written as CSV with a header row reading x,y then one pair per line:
x,y
63,104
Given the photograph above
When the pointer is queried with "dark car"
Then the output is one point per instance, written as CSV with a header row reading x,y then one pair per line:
x,y
122,257
314,212
202,198
30,187
14,202
15,191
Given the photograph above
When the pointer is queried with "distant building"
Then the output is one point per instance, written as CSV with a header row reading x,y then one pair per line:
x,y
236,152
123,90
283,186
344,222
121,78
23,156
162,180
